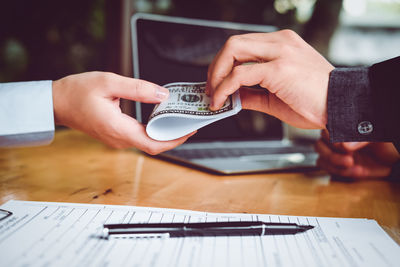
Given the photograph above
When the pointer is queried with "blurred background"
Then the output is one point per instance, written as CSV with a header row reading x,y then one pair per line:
x,y
47,39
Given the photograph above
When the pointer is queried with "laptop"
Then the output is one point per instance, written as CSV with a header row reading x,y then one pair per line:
x,y
172,49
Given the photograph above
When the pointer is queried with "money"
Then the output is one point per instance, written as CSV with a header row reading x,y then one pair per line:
x,y
186,110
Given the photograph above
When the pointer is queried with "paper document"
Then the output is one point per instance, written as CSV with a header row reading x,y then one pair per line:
x,y
187,110
62,234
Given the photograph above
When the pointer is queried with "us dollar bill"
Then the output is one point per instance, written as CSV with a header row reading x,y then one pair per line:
x,y
189,99
186,110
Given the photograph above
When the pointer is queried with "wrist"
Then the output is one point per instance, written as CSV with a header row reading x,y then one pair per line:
x,y
56,99
350,110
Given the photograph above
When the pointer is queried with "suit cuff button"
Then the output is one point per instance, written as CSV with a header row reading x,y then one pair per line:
x,y
365,127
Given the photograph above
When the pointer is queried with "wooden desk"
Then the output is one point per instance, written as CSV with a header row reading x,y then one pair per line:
x,y
77,168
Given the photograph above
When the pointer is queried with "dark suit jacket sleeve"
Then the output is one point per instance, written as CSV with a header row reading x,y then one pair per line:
x,y
364,103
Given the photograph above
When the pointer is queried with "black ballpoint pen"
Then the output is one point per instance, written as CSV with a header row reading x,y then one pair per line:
x,y
236,228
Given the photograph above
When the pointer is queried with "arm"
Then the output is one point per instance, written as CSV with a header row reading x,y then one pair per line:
x,y
26,113
88,102
363,103
296,79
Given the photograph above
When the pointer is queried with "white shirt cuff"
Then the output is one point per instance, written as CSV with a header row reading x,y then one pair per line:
x,y
26,113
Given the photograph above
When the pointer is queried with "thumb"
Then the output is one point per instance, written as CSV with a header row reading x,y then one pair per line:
x,y
138,90
254,99
263,101
353,146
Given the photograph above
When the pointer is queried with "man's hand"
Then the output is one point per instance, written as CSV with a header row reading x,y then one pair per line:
x,y
90,102
295,75
356,160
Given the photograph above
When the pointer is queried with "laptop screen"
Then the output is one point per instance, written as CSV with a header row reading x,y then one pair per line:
x,y
168,49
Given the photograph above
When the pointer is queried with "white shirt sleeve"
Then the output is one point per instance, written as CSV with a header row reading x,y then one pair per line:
x,y
26,114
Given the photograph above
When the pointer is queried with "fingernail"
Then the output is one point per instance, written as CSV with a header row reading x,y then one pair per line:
x,y
212,104
162,93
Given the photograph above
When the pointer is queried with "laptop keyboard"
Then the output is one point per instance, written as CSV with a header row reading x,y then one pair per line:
x,y
234,152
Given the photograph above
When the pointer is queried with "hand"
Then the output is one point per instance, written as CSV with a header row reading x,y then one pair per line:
x,y
90,102
356,160
295,75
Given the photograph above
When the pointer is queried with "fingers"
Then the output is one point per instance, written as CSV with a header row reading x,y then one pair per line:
x,y
358,171
342,146
145,143
133,134
255,99
333,158
353,146
335,162
262,101
355,172
243,75
325,135
239,49
385,153
95,102
357,164
135,89
253,47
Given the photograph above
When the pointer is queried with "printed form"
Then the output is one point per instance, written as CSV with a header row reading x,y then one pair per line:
x,y
66,234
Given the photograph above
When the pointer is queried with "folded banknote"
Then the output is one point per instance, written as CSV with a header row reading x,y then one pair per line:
x,y
186,110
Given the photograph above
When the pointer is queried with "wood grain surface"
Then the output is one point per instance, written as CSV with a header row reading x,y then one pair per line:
x,y
78,168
